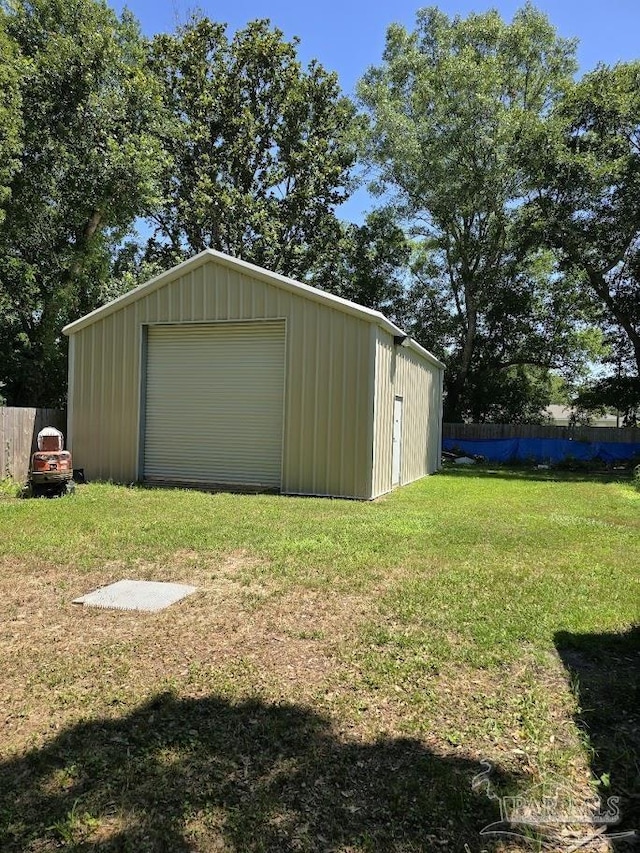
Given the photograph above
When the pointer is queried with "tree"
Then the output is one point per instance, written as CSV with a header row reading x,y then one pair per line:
x,y
619,390
587,199
260,150
85,171
366,263
620,394
450,107
11,70
518,395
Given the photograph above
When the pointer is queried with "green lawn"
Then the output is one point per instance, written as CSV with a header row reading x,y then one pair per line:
x,y
337,679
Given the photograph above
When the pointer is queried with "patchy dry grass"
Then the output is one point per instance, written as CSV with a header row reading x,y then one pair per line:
x,y
338,677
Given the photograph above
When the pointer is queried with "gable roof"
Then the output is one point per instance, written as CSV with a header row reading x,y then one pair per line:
x,y
289,284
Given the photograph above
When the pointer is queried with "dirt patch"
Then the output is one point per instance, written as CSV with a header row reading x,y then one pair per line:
x,y
240,630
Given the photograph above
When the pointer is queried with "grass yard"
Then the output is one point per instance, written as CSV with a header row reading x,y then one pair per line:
x,y
339,676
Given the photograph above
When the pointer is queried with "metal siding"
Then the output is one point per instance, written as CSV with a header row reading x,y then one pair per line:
x,y
402,372
214,403
435,436
76,401
326,451
128,372
327,446
98,393
70,386
414,381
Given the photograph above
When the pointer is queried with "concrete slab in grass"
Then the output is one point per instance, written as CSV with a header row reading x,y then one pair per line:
x,y
149,596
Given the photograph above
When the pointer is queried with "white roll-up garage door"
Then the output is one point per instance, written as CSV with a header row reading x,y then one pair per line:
x,y
214,404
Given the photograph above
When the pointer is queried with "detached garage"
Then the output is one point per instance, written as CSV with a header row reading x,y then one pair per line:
x,y
221,374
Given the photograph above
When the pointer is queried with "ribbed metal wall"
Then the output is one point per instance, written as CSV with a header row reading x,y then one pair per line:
x,y
329,379
402,372
214,403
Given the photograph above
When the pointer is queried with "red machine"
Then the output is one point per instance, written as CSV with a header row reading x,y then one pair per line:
x,y
51,469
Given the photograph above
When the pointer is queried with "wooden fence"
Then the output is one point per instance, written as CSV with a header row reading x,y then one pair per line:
x,y
473,432
19,430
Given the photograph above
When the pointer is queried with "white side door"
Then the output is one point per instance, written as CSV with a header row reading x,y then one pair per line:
x,y
396,450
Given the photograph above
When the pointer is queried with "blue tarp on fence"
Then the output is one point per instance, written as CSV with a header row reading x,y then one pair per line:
x,y
544,450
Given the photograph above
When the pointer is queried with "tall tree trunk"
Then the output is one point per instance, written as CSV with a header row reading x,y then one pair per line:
x,y
456,388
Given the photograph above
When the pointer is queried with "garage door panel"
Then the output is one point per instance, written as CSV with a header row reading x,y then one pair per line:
x,y
214,403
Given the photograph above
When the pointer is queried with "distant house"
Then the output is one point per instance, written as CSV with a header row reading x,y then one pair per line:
x,y
564,416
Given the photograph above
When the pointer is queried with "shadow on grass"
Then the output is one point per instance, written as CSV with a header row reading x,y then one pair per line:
x,y
550,475
204,774
605,669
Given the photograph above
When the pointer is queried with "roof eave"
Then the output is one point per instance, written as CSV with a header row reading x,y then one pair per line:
x,y
416,347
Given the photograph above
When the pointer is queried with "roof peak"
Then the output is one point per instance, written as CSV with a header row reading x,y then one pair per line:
x,y
290,284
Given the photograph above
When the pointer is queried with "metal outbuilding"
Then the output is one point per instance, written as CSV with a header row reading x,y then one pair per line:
x,y
220,373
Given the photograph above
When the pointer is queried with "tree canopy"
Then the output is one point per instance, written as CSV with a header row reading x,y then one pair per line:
x,y
85,169
259,149
11,69
586,203
367,263
451,106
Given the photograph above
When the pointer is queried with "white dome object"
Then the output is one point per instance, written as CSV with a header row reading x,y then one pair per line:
x,y
50,432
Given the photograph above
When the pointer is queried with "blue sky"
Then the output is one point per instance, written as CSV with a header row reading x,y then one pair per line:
x,y
347,36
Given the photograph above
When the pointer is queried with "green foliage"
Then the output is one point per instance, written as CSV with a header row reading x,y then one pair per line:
x,y
259,150
11,69
451,106
559,391
130,268
519,188
586,164
86,170
516,395
617,393
9,488
367,263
